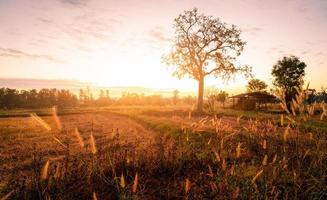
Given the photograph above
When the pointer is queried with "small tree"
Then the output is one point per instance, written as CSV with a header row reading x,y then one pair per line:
x,y
256,85
288,76
222,97
211,95
204,46
175,96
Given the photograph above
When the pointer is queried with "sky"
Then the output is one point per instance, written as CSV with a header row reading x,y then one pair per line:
x,y
121,43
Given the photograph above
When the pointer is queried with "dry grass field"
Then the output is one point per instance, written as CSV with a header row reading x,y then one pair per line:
x,y
163,100
159,153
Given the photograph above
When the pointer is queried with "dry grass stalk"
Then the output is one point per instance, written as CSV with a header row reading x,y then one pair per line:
x,y
306,153
238,119
95,196
57,140
79,138
223,164
92,144
40,121
56,118
284,107
311,109
217,157
311,136
135,183
274,159
257,176
264,144
264,161
293,108
232,169
238,150
210,171
324,111
286,132
7,196
57,172
236,193
44,173
209,141
187,186
291,120
122,181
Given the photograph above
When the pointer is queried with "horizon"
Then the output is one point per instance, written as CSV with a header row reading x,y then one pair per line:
x,y
99,41
75,85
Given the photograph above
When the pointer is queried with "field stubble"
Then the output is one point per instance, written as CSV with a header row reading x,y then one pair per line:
x,y
113,156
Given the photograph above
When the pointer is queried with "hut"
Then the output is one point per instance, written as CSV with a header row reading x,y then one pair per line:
x,y
252,100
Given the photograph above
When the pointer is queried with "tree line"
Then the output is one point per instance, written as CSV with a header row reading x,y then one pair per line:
x,y
14,98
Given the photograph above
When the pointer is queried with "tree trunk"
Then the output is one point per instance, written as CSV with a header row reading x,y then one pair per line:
x,y
200,94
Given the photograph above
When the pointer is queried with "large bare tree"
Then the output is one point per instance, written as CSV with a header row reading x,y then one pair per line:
x,y
204,45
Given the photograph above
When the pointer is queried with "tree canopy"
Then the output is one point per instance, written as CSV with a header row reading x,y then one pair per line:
x,y
288,76
204,45
256,85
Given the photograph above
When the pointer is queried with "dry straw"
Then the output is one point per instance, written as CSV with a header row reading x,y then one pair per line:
x,y
56,118
238,150
238,119
95,196
324,111
210,171
92,144
40,121
274,159
286,132
57,140
7,195
135,183
264,161
232,169
44,173
122,181
257,176
187,186
264,144
217,157
223,164
209,141
79,138
236,193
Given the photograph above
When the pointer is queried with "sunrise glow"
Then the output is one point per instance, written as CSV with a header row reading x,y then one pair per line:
x,y
121,43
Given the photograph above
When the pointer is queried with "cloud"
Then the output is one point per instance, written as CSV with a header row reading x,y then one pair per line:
x,y
90,26
45,21
87,32
158,34
85,48
252,30
156,38
75,2
8,52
